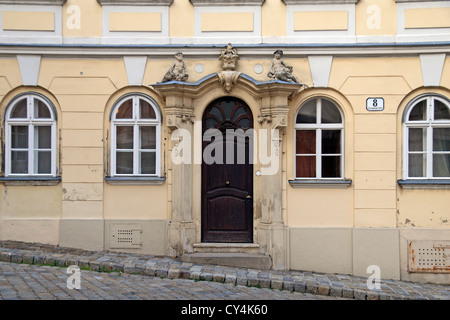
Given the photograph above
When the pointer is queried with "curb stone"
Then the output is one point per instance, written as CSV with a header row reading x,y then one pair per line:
x,y
344,286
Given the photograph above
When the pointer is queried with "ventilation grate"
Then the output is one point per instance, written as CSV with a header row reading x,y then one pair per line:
x,y
125,236
429,256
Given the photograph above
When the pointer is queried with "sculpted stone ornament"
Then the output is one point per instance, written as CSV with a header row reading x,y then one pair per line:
x,y
228,77
178,70
280,70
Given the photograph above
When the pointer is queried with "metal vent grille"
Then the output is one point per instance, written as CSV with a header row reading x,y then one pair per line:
x,y
429,256
125,236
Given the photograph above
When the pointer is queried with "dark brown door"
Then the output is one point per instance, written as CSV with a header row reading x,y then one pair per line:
x,y
227,172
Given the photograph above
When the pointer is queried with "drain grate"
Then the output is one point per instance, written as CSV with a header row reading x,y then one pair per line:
x,y
429,256
125,236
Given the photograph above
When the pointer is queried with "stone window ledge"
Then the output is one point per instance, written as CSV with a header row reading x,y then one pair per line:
x,y
320,183
135,2
30,181
296,2
136,181
34,2
424,184
227,2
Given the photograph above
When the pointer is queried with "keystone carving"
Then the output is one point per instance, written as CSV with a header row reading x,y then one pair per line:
x,y
228,77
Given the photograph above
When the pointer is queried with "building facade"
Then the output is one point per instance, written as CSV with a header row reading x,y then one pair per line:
x,y
116,118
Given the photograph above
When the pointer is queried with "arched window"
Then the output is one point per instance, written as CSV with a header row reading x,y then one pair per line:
x,y
135,140
319,136
426,124
30,137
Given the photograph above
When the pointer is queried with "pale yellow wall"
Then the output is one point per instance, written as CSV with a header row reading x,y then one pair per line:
x,y
320,20
320,206
136,202
420,208
28,20
181,19
219,22
376,17
135,21
372,18
273,19
427,18
40,202
9,75
87,24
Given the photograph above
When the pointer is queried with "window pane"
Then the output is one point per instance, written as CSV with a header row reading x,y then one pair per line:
x,y
417,165
417,139
43,162
419,111
441,111
43,137
148,162
19,137
148,137
441,165
20,109
307,113
331,141
305,167
305,142
124,137
125,111
146,110
124,163
19,162
41,110
330,113
331,167
441,139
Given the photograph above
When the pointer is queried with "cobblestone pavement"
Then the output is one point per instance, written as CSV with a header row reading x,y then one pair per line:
x,y
31,282
170,275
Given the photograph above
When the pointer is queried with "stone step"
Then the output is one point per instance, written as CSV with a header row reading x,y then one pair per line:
x,y
234,259
226,247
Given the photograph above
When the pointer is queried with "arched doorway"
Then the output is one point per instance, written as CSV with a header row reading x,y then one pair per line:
x,y
227,172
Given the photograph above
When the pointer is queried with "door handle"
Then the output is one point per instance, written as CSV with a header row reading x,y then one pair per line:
x,y
227,183
249,197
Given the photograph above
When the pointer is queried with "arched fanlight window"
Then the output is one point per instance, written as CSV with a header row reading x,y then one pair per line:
x,y
135,139
319,136
30,137
426,124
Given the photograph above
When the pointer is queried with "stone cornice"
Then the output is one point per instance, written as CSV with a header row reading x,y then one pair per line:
x,y
293,2
227,2
255,88
34,2
135,2
416,0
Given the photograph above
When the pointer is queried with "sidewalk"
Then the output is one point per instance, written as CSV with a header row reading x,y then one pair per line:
x,y
337,285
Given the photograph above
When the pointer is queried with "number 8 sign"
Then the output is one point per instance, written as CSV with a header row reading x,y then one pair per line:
x,y
375,104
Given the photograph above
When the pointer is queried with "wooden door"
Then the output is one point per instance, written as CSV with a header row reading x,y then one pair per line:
x,y
227,185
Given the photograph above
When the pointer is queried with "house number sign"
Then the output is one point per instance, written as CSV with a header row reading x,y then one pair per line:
x,y
375,104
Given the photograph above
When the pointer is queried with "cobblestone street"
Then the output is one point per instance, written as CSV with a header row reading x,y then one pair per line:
x,y
31,282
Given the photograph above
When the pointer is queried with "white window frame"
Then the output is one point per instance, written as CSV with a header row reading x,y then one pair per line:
x,y
429,124
318,127
136,123
31,122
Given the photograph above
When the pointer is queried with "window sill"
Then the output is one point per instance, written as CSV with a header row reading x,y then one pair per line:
x,y
136,181
424,184
320,183
30,181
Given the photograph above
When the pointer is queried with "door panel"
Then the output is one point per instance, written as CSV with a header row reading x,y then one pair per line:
x,y
227,188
